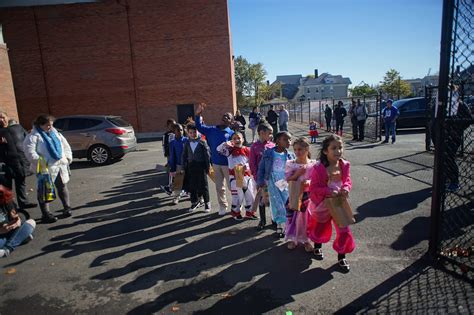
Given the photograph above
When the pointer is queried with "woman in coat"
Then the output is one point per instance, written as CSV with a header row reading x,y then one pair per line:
x,y
46,142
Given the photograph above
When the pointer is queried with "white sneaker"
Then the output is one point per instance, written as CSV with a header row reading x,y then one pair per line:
x,y
222,211
207,207
183,194
176,200
4,252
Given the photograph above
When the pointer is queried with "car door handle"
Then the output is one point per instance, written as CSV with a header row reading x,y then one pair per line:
x,y
85,134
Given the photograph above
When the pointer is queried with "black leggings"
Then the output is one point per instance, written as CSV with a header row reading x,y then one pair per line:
x,y
62,193
339,125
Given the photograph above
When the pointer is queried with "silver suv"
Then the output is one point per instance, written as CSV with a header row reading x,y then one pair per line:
x,y
97,138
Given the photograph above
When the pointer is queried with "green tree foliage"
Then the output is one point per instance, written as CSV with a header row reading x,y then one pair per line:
x,y
267,92
363,90
394,86
248,77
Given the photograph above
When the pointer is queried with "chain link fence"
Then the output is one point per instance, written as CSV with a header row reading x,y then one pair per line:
x,y
452,229
314,110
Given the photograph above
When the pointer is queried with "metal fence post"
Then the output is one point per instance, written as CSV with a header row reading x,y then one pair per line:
x,y
436,200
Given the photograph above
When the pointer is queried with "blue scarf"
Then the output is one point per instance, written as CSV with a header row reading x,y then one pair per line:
x,y
53,144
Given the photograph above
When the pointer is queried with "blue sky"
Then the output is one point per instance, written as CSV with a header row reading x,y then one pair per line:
x,y
360,39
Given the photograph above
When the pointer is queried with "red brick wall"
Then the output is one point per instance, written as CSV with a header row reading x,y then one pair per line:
x,y
7,94
135,58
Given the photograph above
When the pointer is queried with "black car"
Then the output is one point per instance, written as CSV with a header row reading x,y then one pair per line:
x,y
413,112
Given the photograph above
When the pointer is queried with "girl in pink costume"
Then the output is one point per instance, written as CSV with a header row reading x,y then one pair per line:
x,y
299,170
330,178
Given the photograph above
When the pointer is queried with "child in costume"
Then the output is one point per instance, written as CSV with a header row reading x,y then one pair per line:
x,y
175,162
263,143
330,178
313,131
196,163
241,183
298,171
271,173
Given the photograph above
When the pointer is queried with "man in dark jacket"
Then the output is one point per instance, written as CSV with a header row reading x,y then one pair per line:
x,y
340,113
328,117
272,119
16,164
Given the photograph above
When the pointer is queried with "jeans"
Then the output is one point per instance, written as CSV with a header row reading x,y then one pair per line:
x,y
361,128
339,125
328,124
390,128
284,127
14,238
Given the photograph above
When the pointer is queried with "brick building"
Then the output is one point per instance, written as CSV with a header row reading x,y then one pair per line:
x,y
7,94
145,60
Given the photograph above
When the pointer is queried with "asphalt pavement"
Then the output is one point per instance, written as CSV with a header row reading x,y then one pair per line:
x,y
128,250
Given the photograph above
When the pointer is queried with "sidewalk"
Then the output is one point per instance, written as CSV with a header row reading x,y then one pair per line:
x,y
128,250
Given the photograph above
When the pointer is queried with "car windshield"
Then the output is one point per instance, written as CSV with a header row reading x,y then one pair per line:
x,y
118,121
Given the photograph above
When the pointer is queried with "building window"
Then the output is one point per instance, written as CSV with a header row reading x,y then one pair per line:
x,y
308,91
317,90
331,87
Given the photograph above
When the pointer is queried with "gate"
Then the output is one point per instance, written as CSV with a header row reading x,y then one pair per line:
x,y
452,214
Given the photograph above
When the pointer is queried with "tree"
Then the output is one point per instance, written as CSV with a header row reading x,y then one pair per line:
x,y
248,78
364,89
268,91
394,86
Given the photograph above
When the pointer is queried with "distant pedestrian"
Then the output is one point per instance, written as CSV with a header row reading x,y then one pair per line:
x,y
196,161
256,152
340,113
299,171
215,135
328,117
271,174
241,119
313,131
352,115
17,166
241,183
254,120
390,114
330,178
361,116
13,232
283,118
272,118
46,145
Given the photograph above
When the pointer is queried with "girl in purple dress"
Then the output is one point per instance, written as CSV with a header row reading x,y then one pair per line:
x,y
299,170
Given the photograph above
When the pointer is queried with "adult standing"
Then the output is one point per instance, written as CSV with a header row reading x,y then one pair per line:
x,y
283,118
352,115
390,114
361,116
241,119
254,119
17,167
340,112
272,118
46,143
215,135
328,117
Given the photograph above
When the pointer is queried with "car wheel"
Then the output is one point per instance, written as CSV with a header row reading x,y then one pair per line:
x,y
99,154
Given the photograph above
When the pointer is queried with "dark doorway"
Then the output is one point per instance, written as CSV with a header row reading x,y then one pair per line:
x,y
185,111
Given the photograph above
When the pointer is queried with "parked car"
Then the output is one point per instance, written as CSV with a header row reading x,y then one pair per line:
x,y
97,138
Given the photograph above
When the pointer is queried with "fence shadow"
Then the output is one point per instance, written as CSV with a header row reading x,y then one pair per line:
x,y
425,287
417,166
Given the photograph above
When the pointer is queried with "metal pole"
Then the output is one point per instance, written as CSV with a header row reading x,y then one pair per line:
x,y
437,198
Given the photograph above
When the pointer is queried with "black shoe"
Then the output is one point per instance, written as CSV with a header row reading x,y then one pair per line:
x,y
344,265
67,212
167,190
48,218
29,205
354,139
261,225
318,253
280,232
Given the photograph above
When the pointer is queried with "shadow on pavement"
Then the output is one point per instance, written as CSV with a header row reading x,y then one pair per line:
x,y
424,287
392,205
417,166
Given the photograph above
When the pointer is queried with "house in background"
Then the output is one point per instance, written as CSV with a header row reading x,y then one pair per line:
x,y
324,86
418,85
143,60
